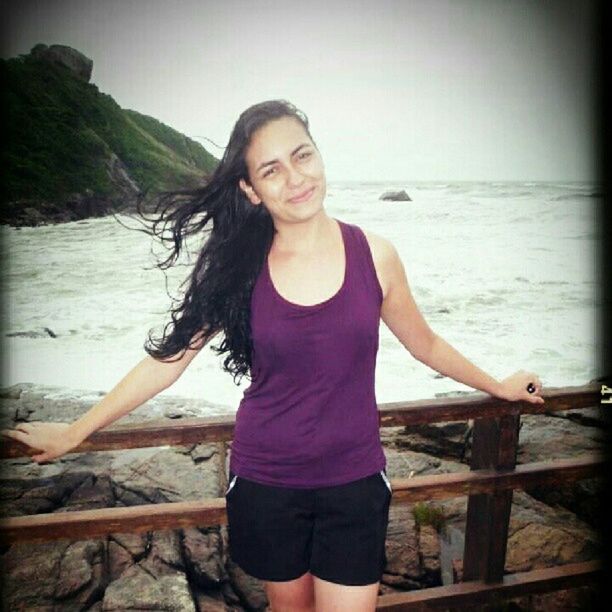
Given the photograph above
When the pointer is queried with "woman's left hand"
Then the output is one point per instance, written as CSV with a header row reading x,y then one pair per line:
x,y
515,387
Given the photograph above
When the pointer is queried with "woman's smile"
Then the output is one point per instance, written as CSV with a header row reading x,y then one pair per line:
x,y
302,197
286,172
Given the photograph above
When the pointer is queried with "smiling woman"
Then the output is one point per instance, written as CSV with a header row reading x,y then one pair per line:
x,y
294,176
297,298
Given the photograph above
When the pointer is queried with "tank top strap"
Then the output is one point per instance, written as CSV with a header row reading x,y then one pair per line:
x,y
361,270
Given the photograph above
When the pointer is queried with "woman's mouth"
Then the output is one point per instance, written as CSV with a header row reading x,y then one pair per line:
x,y
302,197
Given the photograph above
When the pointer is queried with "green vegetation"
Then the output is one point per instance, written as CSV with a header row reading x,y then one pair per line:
x,y
61,133
429,514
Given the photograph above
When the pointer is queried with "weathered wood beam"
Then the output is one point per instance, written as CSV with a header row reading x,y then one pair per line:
x,y
478,592
186,431
83,524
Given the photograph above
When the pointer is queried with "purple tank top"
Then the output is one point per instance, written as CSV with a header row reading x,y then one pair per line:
x,y
309,417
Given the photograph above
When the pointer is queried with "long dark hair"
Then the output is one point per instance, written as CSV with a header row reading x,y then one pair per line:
x,y
218,293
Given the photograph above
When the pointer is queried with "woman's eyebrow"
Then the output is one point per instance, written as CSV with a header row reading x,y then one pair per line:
x,y
273,161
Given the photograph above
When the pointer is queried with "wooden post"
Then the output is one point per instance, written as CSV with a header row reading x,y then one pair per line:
x,y
494,446
222,445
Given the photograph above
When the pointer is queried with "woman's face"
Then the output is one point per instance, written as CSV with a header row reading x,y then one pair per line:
x,y
286,172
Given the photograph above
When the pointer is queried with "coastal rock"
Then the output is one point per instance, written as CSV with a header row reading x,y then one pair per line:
x,y
69,573
119,559
29,574
413,551
30,493
190,569
204,555
403,569
555,536
45,333
77,154
73,207
120,176
80,65
542,436
82,572
250,590
136,544
538,537
447,440
564,436
429,554
137,589
153,479
396,196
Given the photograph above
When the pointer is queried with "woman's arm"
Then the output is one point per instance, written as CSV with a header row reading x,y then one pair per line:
x,y
401,314
148,378
143,382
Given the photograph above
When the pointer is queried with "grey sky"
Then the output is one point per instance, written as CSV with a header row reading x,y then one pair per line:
x,y
394,90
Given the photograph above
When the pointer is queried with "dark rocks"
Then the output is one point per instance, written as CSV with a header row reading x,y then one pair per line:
x,y
44,333
62,55
190,568
120,177
429,555
73,207
538,537
138,589
250,590
396,196
167,570
541,437
82,573
445,440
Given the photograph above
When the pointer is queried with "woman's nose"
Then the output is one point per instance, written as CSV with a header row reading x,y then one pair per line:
x,y
294,176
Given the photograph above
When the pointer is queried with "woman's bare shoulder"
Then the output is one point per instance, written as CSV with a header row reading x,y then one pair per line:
x,y
384,255
382,248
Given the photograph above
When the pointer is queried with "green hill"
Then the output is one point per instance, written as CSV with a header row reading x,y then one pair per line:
x,y
67,142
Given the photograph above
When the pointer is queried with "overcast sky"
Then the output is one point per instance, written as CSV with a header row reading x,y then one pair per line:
x,y
394,90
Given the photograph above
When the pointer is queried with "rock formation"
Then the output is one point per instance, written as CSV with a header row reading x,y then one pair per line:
x,y
71,152
65,56
190,569
396,196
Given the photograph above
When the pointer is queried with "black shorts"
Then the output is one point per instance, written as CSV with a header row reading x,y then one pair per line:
x,y
336,532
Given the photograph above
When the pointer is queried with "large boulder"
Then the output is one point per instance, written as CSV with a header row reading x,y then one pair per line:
x,y
396,196
80,65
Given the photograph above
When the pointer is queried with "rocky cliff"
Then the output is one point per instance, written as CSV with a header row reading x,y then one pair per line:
x,y
71,152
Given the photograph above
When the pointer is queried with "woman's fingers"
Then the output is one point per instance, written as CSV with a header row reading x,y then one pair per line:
x,y
22,433
26,428
521,383
25,438
16,434
535,397
48,439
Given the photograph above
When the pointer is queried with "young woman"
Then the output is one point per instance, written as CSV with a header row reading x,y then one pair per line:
x,y
298,296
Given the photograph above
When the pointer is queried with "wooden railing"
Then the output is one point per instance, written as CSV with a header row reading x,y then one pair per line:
x,y
489,484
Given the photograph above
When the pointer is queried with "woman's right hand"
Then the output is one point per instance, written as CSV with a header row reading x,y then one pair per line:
x,y
53,439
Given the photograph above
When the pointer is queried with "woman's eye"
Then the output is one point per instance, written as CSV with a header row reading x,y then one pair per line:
x,y
302,155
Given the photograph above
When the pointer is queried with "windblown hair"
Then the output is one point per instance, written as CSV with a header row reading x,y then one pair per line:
x,y
219,288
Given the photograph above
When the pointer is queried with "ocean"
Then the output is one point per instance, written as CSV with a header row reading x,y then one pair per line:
x,y
505,272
